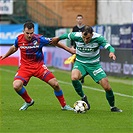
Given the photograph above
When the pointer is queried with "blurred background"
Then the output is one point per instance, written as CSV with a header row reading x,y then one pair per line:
x,y
111,18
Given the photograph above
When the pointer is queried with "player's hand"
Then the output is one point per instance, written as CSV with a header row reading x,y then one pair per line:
x,y
1,57
73,50
70,60
112,56
54,40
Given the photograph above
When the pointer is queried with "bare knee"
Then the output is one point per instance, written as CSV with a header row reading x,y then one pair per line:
x,y
105,84
76,74
17,85
54,84
74,77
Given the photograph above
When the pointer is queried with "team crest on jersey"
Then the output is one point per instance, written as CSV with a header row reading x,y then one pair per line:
x,y
93,45
35,42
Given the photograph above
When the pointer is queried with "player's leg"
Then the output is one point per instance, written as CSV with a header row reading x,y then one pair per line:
x,y
82,80
99,76
19,80
109,94
58,93
49,78
76,75
18,87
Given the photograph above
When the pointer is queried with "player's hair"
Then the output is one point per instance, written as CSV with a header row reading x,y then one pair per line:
x,y
28,25
87,29
79,15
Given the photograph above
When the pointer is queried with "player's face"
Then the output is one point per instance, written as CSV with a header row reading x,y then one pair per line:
x,y
79,20
87,37
28,33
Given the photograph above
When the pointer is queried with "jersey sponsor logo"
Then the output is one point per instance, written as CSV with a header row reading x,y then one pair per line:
x,y
34,44
29,47
75,67
85,49
93,45
95,72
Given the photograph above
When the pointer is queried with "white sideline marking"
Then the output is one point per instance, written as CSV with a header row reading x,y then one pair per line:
x,y
68,83
96,89
6,70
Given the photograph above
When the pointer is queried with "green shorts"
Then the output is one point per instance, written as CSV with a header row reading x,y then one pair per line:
x,y
94,70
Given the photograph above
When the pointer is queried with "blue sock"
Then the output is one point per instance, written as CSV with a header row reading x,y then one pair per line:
x,y
21,91
58,93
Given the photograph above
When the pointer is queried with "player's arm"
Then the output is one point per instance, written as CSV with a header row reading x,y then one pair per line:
x,y
12,50
107,46
112,51
72,58
55,40
68,49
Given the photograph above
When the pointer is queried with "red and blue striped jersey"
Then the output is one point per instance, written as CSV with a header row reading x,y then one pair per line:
x,y
31,51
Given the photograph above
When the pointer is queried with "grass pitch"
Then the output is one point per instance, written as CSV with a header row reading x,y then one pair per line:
x,y
46,115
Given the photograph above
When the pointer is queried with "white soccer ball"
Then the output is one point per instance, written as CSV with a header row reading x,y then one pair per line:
x,y
80,106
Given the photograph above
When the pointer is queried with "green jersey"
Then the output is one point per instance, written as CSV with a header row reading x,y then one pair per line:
x,y
88,53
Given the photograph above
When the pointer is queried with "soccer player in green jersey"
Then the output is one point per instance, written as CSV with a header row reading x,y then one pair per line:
x,y
88,45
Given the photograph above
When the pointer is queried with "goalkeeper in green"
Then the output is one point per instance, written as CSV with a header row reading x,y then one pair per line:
x,y
88,45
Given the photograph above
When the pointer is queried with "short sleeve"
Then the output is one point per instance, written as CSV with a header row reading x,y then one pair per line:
x,y
16,42
45,40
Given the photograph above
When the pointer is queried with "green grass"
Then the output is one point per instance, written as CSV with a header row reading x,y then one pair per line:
x,y
47,116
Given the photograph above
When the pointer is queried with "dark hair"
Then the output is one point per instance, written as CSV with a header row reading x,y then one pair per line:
x,y
79,15
87,29
28,25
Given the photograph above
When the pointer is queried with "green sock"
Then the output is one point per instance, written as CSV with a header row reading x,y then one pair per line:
x,y
78,87
110,97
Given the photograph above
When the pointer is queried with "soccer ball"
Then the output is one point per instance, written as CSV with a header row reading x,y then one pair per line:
x,y
80,106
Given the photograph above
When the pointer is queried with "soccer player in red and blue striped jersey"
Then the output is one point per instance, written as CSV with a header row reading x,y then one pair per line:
x,y
32,64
